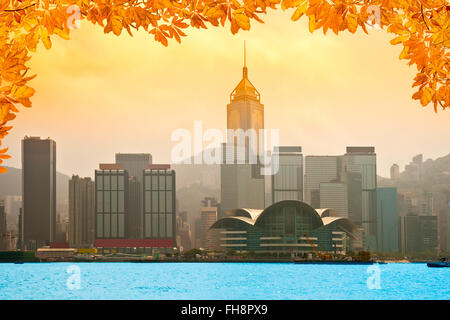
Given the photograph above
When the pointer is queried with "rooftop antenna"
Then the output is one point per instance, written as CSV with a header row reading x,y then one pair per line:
x,y
244,70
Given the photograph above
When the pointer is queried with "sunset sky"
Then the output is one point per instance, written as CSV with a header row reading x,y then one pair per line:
x,y
99,94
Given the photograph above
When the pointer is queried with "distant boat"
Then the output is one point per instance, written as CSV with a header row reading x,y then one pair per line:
x,y
442,264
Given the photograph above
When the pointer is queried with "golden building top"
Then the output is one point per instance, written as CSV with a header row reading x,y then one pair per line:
x,y
245,89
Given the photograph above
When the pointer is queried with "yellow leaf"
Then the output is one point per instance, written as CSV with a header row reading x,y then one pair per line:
x,y
23,92
116,25
45,37
62,33
243,21
300,11
404,53
427,94
312,23
400,39
352,22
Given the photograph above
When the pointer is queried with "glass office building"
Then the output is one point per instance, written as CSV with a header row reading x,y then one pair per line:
x,y
287,183
111,206
159,203
387,208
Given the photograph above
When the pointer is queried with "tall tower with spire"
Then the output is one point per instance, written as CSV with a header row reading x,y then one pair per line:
x,y
245,110
242,185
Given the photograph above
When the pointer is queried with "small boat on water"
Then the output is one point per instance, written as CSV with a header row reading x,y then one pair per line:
x,y
442,264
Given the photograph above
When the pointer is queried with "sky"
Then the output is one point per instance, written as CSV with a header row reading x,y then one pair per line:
x,y
99,94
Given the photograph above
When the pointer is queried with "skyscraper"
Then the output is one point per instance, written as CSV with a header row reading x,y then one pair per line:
x,y
245,110
3,228
112,213
242,185
38,191
362,161
334,195
160,204
119,224
395,172
81,212
319,169
208,216
135,164
448,226
331,179
387,208
287,183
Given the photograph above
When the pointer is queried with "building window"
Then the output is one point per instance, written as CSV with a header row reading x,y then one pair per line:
x,y
154,182
121,202
169,182
121,183
100,201
107,201
162,225
169,201
148,225
100,225
114,225
107,225
154,225
169,226
147,182
106,182
114,182
162,182
113,201
121,225
99,182
154,201
162,201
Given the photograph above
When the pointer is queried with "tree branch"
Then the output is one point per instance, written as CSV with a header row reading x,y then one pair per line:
x,y
423,17
15,10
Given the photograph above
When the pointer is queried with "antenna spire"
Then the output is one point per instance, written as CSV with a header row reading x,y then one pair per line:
x,y
244,70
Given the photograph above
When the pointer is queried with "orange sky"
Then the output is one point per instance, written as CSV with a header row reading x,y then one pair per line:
x,y
100,94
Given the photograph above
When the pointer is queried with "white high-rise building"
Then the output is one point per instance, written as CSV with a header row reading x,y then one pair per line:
x,y
334,195
287,183
319,169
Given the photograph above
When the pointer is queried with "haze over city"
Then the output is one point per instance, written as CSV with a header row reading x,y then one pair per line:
x,y
98,94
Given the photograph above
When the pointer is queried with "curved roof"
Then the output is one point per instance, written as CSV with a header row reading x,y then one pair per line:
x,y
253,217
245,212
326,212
299,204
344,223
222,223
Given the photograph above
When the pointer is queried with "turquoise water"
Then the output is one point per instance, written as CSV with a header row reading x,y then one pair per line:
x,y
209,281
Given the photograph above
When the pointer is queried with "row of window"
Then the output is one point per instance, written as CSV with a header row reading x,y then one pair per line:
x,y
110,182
111,201
158,225
158,182
158,201
110,225
288,177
